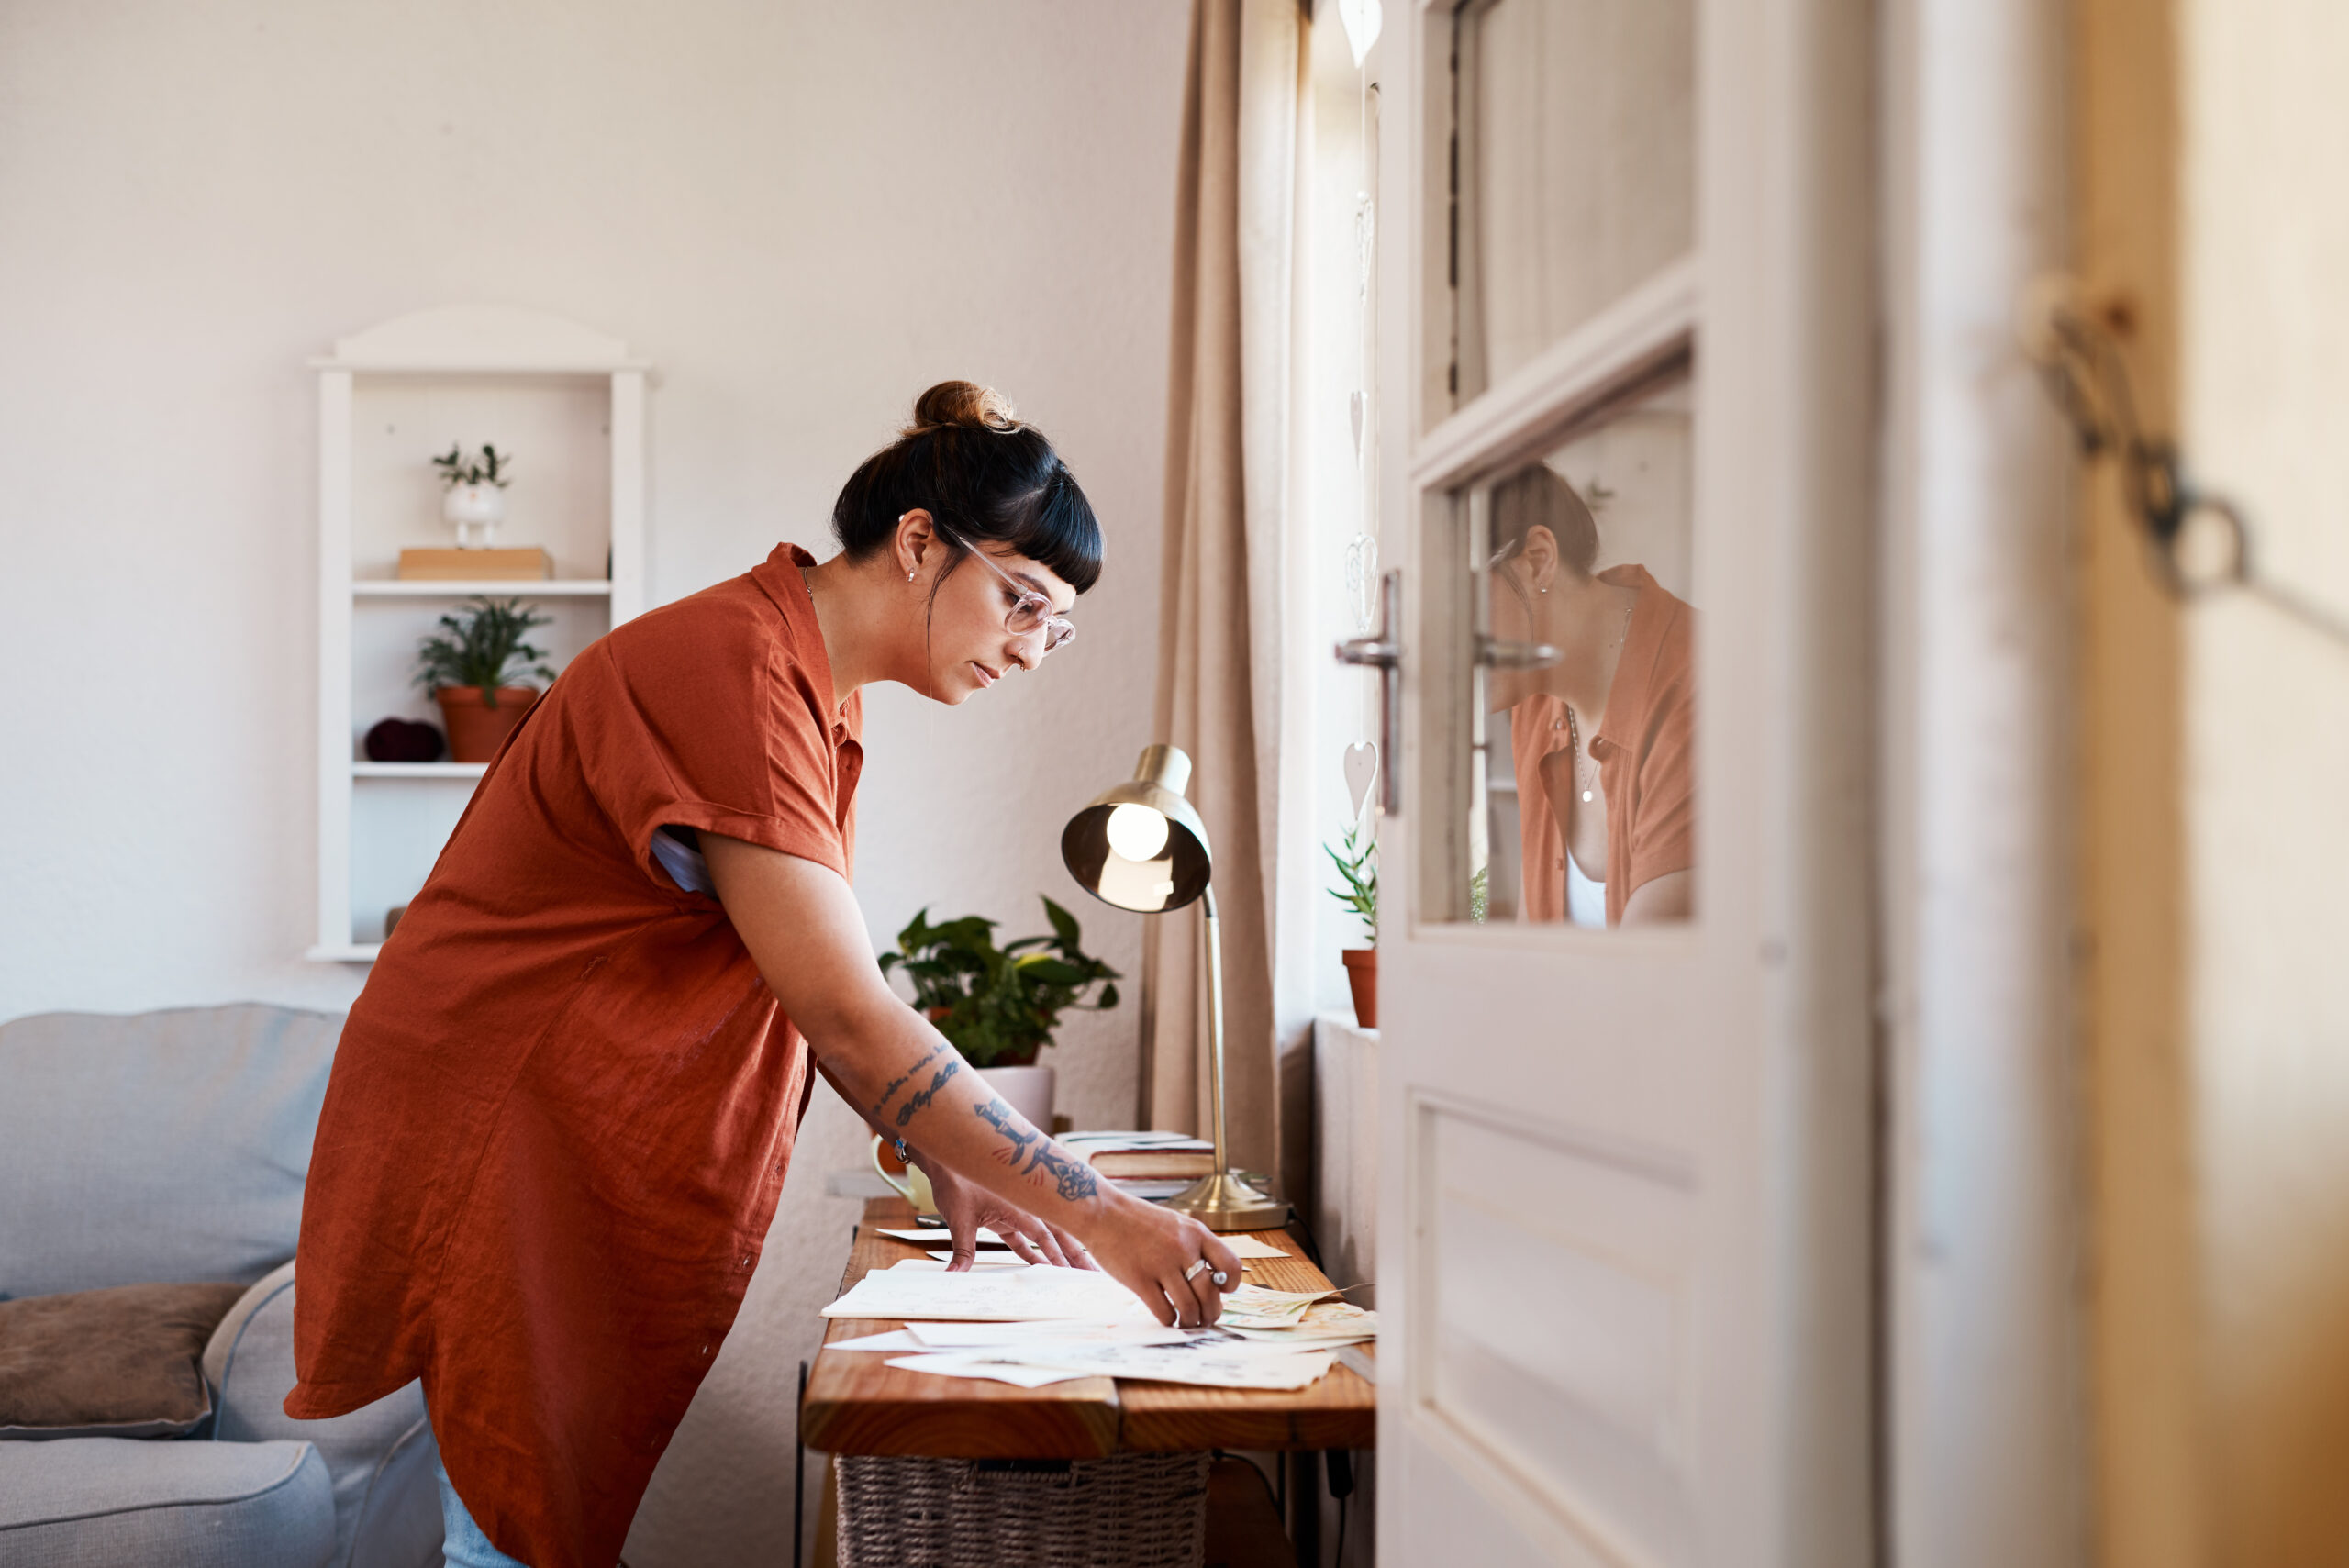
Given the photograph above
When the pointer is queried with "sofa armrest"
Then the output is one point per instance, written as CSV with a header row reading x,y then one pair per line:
x,y
379,1457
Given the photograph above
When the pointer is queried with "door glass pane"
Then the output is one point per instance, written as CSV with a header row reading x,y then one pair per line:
x,y
1582,728
1575,128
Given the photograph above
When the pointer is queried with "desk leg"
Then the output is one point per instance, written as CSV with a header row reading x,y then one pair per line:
x,y
1304,1486
827,1516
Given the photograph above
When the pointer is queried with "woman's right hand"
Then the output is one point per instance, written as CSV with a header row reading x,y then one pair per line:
x,y
1149,1249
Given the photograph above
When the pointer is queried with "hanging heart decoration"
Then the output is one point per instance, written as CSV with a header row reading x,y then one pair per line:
x,y
1362,581
1361,769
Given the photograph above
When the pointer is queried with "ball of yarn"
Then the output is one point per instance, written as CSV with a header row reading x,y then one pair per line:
x,y
404,740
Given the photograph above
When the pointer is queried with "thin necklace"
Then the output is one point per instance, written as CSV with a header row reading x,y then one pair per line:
x,y
1574,730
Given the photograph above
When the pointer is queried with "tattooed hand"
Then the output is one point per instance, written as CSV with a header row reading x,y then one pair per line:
x,y
967,1207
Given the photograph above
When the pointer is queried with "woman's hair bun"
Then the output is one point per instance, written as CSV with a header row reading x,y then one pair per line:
x,y
984,478
961,403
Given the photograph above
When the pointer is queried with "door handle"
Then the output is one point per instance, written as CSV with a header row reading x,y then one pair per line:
x,y
1494,653
1383,651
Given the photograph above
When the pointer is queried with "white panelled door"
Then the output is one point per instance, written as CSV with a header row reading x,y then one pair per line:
x,y
1626,1068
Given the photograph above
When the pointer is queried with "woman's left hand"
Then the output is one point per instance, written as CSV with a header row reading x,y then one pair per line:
x,y
967,1207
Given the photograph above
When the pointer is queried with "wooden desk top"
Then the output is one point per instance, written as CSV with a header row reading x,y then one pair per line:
x,y
856,1404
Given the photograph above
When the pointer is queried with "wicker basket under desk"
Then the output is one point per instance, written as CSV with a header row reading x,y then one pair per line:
x,y
1130,1510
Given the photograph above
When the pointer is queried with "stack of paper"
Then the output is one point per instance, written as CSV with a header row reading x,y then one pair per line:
x,y
1325,1325
918,1288
1205,1358
1032,1326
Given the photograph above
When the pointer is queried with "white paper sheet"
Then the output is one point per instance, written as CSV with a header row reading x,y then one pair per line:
x,y
986,1238
1206,1362
983,1261
1121,1139
997,1372
1150,1189
1247,1246
971,1335
895,1339
918,1288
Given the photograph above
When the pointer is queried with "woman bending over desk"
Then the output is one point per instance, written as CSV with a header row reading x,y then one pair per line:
x,y
562,1106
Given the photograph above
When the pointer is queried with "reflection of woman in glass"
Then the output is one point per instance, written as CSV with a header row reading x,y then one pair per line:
x,y
1606,736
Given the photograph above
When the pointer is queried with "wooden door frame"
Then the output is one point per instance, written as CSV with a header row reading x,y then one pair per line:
x,y
1982,1438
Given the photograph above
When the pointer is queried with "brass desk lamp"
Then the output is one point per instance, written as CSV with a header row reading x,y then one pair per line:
x,y
1140,846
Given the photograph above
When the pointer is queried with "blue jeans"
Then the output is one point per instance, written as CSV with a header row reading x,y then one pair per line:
x,y
462,1544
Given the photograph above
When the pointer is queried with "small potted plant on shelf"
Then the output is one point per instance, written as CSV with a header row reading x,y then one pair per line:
x,y
475,492
998,1005
1358,890
471,667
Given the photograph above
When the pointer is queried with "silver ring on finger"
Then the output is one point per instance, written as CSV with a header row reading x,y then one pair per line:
x,y
1194,1270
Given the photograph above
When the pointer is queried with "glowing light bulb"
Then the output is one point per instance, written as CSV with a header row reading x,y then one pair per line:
x,y
1137,833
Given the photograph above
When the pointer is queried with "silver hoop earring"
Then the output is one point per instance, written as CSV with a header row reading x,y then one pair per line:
x,y
910,577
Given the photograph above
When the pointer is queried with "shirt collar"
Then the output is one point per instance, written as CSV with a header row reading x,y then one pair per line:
x,y
1643,638
779,577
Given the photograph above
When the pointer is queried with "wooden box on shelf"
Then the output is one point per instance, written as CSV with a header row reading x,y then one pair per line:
x,y
529,564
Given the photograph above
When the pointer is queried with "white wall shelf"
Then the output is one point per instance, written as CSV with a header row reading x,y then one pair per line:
x,y
419,770
569,402
558,587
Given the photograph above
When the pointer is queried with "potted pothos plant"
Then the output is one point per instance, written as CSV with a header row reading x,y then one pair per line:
x,y
474,496
1357,889
474,666
999,1005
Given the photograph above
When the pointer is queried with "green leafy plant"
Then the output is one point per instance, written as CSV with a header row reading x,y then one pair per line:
x,y
998,1005
1358,874
480,645
484,468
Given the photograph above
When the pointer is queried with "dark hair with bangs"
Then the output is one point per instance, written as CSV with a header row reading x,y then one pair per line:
x,y
986,477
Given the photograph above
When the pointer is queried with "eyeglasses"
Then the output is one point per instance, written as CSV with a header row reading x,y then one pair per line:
x,y
1030,611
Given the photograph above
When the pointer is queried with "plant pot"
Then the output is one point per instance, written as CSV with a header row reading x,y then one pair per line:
x,y
476,729
474,506
1362,974
1027,1090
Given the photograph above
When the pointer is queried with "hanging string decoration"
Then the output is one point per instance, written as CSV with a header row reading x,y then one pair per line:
x,y
2197,541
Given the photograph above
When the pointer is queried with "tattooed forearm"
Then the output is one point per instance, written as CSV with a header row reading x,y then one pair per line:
x,y
902,1079
1072,1178
922,1097
1000,1117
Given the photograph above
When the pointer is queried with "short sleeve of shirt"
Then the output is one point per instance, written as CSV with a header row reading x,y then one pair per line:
x,y
708,714
1664,831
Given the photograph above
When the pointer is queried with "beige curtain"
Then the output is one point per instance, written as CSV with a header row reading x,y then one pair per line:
x,y
1227,474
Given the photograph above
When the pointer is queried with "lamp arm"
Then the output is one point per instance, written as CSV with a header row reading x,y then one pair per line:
x,y
1214,1027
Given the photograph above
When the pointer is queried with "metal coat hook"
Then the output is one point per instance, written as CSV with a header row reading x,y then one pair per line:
x,y
2195,541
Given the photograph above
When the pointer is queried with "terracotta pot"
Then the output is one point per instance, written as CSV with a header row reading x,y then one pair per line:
x,y
1362,974
475,730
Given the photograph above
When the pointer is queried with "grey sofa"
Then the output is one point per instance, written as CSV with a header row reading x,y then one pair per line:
x,y
170,1147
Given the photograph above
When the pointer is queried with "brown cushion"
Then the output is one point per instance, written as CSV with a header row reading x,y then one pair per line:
x,y
122,1363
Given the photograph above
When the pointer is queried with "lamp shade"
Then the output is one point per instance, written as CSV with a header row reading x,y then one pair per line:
x,y
1140,845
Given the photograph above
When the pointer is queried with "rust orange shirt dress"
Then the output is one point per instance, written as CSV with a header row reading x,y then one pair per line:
x,y
1646,752
558,1118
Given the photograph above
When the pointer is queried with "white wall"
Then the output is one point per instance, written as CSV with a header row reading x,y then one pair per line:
x,y
802,213
2264,401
